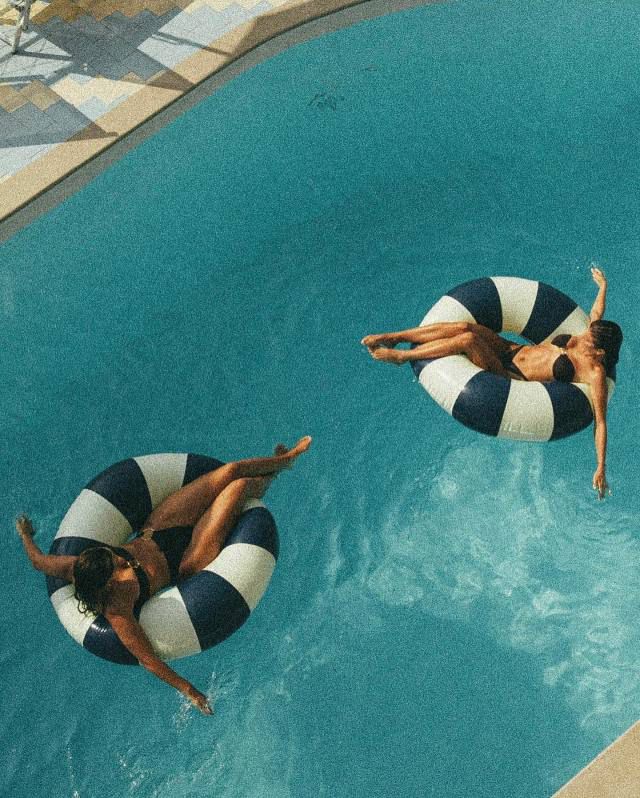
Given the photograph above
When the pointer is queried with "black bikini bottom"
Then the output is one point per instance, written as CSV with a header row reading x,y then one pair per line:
x,y
172,543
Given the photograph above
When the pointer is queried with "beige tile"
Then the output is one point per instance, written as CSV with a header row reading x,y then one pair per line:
x,y
8,16
144,100
10,99
133,8
101,9
131,77
40,95
160,7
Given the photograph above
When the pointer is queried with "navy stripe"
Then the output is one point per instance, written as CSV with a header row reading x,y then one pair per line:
x,y
215,607
482,300
102,641
419,365
481,403
550,309
197,465
257,527
124,485
68,546
571,409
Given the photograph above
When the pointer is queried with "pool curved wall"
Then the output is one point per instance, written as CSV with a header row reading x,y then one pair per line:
x,y
61,172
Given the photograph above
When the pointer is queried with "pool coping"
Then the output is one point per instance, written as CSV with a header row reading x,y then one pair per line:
x,y
614,773
50,179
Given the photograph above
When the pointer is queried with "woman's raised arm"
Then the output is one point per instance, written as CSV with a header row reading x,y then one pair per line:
x,y
599,395
597,311
57,565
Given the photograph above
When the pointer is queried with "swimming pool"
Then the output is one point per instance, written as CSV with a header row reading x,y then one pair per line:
x,y
451,615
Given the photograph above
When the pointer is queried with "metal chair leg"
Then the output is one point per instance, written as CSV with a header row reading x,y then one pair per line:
x,y
24,9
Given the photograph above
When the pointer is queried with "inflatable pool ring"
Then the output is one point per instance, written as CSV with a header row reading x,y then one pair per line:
x,y
189,617
495,405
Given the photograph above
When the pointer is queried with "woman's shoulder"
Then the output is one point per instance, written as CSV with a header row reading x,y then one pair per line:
x,y
122,598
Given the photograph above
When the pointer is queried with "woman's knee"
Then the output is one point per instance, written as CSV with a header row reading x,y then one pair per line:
x,y
225,473
467,339
186,568
192,562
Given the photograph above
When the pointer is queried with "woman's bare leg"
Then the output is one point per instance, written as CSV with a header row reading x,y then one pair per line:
x,y
216,523
476,347
457,345
186,506
418,335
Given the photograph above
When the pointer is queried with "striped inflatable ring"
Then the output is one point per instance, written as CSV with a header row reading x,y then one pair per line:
x,y
185,619
495,405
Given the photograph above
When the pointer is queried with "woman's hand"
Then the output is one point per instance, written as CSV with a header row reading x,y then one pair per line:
x,y
198,700
598,277
600,483
24,526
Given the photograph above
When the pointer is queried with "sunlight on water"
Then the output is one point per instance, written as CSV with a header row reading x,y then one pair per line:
x,y
540,576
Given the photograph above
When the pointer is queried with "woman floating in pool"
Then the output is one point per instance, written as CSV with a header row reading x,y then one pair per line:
x,y
180,537
585,358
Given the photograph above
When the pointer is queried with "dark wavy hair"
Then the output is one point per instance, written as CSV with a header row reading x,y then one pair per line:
x,y
91,573
607,335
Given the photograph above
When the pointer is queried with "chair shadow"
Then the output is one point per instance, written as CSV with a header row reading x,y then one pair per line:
x,y
127,44
72,43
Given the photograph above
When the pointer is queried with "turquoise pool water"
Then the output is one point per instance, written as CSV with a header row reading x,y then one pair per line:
x,y
451,615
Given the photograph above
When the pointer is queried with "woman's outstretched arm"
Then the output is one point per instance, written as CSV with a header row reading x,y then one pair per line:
x,y
599,395
57,565
597,311
133,637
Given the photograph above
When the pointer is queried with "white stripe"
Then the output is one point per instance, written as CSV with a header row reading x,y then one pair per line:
x,y
575,324
247,567
91,516
168,626
528,415
250,504
517,298
447,309
164,474
445,378
66,607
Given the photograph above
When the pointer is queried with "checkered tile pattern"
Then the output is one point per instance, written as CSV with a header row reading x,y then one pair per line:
x,y
82,58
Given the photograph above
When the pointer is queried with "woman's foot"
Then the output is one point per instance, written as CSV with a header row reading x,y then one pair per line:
x,y
374,341
389,355
289,455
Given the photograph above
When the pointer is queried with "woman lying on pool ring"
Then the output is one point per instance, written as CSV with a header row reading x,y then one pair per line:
x,y
111,584
585,358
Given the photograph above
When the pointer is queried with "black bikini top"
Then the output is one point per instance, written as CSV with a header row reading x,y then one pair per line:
x,y
563,369
141,576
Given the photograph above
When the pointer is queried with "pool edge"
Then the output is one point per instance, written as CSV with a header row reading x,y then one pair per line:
x,y
614,773
46,182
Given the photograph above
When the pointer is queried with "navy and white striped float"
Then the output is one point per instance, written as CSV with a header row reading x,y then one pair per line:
x,y
185,619
495,405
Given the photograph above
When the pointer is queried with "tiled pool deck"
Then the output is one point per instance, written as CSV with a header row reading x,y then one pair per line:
x,y
90,73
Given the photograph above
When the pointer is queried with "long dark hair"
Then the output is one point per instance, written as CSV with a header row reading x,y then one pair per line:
x,y
607,335
91,573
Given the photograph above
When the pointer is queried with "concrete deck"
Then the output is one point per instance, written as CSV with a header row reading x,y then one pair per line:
x,y
613,774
